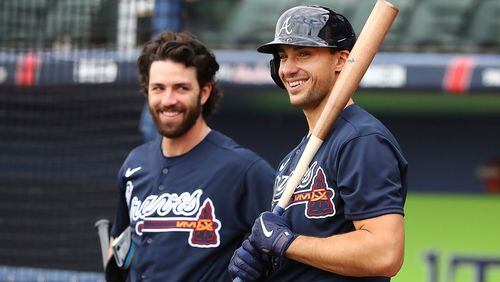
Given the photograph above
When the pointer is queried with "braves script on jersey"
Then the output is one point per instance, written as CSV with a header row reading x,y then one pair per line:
x,y
189,213
358,173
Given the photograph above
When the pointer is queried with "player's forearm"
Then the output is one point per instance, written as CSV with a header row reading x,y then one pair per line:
x,y
357,253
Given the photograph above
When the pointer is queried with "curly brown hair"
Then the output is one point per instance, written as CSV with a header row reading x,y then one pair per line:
x,y
182,48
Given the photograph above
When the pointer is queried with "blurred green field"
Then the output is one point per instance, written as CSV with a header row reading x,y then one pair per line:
x,y
465,225
400,102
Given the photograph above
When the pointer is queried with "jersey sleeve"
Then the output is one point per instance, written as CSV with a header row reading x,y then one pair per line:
x,y
257,198
371,177
121,220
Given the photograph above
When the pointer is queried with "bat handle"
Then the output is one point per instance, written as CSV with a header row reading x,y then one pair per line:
x,y
102,227
305,159
278,210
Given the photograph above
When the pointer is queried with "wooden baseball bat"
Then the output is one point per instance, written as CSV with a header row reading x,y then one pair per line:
x,y
360,57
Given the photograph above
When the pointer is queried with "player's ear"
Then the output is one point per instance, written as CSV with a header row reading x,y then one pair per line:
x,y
342,59
205,92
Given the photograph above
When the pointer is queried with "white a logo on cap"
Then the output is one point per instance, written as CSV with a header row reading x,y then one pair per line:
x,y
285,26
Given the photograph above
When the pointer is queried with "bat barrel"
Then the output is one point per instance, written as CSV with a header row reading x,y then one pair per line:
x,y
373,33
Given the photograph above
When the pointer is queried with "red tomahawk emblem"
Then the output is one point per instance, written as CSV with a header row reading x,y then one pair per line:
x,y
318,199
203,229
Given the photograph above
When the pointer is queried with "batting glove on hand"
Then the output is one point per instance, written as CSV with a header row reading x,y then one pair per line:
x,y
271,234
248,263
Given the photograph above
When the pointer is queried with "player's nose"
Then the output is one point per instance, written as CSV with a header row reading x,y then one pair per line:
x,y
288,68
168,98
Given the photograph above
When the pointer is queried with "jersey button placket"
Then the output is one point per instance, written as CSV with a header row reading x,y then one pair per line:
x,y
164,171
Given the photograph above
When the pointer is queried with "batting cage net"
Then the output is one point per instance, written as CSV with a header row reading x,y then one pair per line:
x,y
65,128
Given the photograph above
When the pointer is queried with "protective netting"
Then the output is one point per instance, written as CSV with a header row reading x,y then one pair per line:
x,y
60,149
65,124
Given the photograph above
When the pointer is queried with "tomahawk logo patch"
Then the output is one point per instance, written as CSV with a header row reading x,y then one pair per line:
x,y
317,195
203,228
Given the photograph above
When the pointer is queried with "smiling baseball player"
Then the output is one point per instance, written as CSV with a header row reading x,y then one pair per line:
x,y
190,196
344,221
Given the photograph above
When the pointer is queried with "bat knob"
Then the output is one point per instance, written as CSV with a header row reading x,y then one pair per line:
x,y
101,223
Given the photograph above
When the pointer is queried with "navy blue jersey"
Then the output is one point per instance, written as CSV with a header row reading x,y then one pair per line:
x,y
358,173
189,213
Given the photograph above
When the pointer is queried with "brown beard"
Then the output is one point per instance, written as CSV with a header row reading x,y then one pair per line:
x,y
184,127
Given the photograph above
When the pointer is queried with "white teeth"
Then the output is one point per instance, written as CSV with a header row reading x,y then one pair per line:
x,y
296,83
170,114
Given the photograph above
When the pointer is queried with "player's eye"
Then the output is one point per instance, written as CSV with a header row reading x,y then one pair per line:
x,y
156,89
282,56
304,54
183,88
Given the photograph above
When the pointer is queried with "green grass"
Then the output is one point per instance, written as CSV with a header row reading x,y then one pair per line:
x,y
400,103
450,225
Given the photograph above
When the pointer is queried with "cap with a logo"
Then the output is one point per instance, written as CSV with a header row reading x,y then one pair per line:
x,y
313,26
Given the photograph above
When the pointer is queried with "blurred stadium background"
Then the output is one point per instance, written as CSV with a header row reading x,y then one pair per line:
x,y
70,110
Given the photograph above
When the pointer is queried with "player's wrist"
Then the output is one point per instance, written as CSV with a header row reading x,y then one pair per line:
x,y
283,242
293,246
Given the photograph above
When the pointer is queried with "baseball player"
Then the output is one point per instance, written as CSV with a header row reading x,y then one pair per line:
x,y
345,219
188,198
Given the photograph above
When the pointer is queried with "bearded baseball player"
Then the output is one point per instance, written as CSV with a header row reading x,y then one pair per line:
x,y
187,199
344,221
